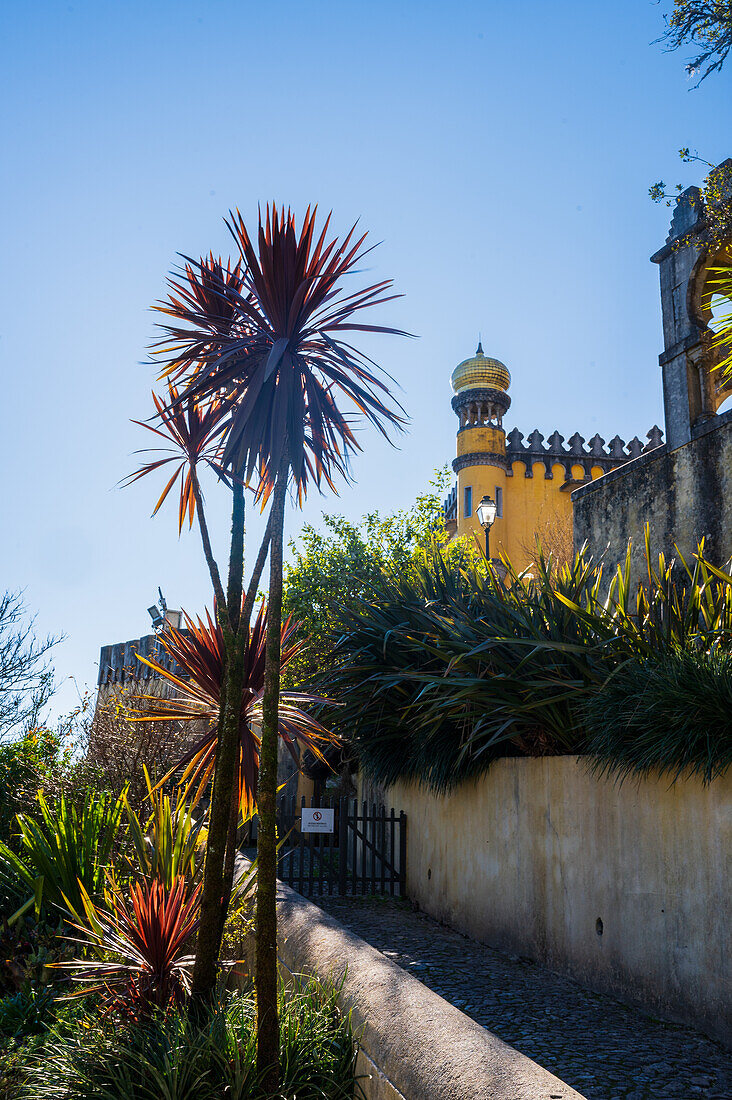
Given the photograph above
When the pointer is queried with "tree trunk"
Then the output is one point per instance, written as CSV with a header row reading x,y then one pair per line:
x,y
208,944
215,894
265,972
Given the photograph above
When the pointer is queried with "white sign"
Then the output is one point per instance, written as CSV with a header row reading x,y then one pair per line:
x,y
317,821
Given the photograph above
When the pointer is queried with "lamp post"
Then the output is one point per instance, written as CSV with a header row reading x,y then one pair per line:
x,y
486,513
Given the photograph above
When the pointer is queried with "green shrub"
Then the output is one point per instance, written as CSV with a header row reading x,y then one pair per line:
x,y
66,845
26,765
171,1056
446,668
670,715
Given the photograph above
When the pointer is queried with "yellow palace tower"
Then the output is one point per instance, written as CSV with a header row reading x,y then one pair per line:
x,y
528,485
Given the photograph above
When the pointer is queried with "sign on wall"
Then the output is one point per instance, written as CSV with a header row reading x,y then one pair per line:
x,y
318,820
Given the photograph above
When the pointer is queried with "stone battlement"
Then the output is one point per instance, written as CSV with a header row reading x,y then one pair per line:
x,y
589,455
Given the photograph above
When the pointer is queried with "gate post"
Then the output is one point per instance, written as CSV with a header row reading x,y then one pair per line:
x,y
342,846
402,854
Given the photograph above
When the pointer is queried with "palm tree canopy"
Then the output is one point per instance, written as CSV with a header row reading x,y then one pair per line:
x,y
268,334
200,652
193,430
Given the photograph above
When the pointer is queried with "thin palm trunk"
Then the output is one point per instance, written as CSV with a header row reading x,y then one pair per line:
x,y
215,895
265,973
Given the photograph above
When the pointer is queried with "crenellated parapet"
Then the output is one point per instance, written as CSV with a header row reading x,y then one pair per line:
x,y
591,455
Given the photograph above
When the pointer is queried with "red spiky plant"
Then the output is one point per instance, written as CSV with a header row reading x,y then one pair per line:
x,y
140,946
199,652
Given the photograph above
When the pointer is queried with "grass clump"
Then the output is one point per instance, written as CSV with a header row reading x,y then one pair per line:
x,y
175,1056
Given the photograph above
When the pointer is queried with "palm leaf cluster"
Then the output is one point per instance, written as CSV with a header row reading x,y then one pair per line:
x,y
443,671
193,430
719,292
267,335
199,651
670,715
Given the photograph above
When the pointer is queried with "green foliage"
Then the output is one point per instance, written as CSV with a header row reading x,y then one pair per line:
x,y
26,1012
25,765
172,1056
169,843
444,670
336,567
666,715
714,196
705,25
63,849
26,1018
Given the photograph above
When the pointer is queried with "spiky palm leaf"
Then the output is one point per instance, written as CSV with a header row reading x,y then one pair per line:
x,y
199,651
280,355
194,428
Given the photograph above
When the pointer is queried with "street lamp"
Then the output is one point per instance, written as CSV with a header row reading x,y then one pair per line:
x,y
486,513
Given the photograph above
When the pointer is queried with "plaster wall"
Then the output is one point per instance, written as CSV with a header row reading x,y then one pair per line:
x,y
532,504
682,494
533,855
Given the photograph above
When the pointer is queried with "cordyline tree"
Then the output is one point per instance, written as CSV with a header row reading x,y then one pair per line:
x,y
258,361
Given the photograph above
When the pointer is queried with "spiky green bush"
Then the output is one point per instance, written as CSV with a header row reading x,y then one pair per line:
x,y
670,715
444,670
60,846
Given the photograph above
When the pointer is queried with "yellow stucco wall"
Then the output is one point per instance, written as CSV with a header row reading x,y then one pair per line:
x,y
531,856
531,505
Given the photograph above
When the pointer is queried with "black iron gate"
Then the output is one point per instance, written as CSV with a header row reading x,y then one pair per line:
x,y
365,854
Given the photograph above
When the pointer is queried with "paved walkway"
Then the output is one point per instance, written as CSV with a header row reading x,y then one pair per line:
x,y
601,1047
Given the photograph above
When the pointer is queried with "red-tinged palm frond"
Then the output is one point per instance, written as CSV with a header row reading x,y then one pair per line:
x,y
194,429
199,652
283,360
147,938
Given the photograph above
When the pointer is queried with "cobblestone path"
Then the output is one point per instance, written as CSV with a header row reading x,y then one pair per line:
x,y
601,1047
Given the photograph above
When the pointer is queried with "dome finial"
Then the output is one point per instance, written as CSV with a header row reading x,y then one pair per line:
x,y
480,346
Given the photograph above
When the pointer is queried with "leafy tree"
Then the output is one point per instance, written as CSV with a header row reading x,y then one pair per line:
x,y
25,765
714,196
26,676
338,567
706,25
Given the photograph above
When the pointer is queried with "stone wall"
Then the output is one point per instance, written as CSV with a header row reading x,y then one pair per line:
x,y
682,494
623,887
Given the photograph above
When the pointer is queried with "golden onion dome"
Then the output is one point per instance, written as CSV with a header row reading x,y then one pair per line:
x,y
480,372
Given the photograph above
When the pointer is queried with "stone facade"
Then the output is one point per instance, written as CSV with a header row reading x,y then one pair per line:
x,y
683,495
681,489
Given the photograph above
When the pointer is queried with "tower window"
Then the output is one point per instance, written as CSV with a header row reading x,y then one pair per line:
x,y
499,502
468,501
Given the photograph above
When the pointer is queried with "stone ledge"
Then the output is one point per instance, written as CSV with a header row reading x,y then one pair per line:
x,y
415,1045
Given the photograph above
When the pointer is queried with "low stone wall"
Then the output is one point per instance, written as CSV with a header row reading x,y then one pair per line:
x,y
624,887
414,1045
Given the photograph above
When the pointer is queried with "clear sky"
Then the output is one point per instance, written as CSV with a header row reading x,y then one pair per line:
x,y
502,153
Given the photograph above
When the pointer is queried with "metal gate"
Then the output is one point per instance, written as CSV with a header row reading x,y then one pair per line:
x,y
365,854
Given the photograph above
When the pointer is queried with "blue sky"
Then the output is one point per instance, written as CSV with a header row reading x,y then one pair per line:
x,y
501,152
